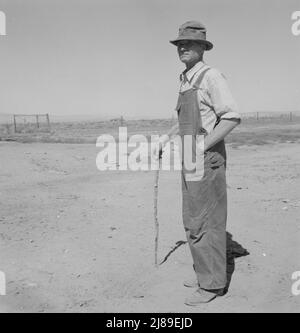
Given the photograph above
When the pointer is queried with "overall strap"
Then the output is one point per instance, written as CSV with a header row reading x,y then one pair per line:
x,y
196,85
200,78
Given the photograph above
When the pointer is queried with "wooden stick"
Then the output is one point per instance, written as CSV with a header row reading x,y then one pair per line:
x,y
156,224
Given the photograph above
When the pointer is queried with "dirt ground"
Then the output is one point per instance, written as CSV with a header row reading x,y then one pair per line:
x,y
74,239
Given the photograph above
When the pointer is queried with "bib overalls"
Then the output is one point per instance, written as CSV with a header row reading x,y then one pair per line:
x,y
204,202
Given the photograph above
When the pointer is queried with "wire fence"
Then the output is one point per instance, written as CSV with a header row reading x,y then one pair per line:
x,y
289,116
29,123
39,123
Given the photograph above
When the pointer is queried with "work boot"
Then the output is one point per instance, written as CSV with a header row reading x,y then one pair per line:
x,y
191,283
201,296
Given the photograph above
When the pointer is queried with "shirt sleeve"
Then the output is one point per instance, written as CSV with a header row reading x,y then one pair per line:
x,y
221,98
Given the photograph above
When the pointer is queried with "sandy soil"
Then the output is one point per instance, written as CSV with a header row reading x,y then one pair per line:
x,y
74,239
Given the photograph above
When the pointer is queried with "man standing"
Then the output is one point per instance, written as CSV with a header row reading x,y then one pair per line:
x,y
205,107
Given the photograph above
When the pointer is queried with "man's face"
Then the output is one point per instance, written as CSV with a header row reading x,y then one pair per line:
x,y
190,52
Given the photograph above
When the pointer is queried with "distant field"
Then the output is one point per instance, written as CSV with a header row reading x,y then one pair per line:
x,y
250,132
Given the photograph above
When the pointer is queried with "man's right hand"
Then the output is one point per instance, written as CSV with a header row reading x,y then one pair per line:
x,y
157,151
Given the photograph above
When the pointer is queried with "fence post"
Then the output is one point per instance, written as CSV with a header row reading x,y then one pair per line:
x,y
15,124
37,120
48,121
257,116
291,116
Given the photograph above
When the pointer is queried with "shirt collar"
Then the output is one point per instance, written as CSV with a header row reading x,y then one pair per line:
x,y
188,75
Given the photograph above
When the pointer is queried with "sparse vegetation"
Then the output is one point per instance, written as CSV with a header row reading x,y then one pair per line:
x,y
250,132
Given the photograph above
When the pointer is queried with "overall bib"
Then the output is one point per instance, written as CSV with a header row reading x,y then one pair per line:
x,y
204,202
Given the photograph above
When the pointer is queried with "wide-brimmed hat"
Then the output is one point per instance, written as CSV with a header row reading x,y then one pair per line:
x,y
193,30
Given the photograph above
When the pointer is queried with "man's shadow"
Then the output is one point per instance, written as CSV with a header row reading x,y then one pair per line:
x,y
233,250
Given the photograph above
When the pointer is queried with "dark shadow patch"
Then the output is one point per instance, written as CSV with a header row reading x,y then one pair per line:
x,y
174,248
234,250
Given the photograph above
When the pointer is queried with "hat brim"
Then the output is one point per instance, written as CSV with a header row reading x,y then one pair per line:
x,y
208,44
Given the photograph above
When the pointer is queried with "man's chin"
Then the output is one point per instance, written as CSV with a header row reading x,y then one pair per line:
x,y
185,60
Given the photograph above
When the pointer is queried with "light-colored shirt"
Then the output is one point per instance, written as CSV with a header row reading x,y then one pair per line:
x,y
214,96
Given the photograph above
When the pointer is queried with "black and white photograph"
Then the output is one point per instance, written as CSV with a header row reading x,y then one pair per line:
x,y
149,158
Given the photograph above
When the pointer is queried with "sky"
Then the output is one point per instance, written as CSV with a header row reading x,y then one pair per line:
x,y
111,58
